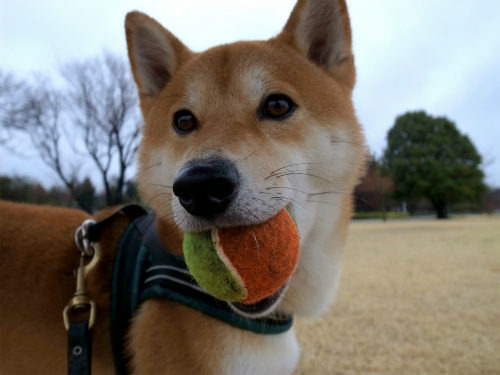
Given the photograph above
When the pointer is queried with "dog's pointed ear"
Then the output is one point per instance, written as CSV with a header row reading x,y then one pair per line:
x,y
154,53
321,31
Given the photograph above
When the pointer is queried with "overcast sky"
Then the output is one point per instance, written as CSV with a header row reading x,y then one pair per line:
x,y
442,56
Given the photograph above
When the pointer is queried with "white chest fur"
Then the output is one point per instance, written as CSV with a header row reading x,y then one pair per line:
x,y
261,355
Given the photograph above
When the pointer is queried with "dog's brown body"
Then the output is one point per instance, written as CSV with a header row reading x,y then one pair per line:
x,y
37,261
227,95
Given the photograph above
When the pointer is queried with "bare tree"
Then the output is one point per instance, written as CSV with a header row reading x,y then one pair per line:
x,y
11,94
97,114
36,113
104,106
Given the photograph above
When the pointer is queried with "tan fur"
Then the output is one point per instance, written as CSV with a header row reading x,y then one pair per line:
x,y
224,87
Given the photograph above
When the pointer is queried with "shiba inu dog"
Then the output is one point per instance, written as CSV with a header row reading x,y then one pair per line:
x,y
231,136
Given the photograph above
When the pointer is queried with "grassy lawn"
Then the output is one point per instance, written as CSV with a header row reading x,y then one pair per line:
x,y
416,297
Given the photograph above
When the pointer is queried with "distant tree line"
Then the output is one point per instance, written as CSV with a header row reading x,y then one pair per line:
x,y
27,190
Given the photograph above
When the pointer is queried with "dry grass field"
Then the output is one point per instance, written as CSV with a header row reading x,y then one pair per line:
x,y
416,297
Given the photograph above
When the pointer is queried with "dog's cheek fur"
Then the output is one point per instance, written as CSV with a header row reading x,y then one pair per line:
x,y
324,220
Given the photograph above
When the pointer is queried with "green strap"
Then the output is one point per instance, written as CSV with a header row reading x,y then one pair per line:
x,y
263,326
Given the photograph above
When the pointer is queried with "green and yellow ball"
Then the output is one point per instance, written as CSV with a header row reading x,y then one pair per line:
x,y
244,264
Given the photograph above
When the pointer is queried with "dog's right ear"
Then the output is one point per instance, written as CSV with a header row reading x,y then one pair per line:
x,y
321,31
154,53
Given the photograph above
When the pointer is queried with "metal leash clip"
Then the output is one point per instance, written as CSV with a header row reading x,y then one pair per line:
x,y
82,238
81,299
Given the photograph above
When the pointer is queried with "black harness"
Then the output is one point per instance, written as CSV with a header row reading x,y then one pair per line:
x,y
144,269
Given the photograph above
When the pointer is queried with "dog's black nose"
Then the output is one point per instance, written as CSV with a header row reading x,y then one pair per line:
x,y
206,187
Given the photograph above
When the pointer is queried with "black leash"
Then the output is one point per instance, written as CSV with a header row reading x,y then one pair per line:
x,y
79,349
80,333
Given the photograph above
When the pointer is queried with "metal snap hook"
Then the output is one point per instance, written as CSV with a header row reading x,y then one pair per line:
x,y
81,238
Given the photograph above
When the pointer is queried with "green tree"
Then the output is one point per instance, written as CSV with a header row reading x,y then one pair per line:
x,y
429,158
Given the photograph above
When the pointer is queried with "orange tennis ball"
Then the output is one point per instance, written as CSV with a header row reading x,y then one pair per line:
x,y
244,264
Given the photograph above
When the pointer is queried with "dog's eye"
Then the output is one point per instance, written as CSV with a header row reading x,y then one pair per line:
x,y
278,106
184,122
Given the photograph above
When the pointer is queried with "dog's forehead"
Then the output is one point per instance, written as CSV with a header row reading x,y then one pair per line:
x,y
234,73
234,80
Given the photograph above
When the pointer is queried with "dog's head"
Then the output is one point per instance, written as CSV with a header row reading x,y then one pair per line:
x,y
234,134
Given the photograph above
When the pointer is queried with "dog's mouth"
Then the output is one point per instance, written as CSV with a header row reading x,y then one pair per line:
x,y
260,308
